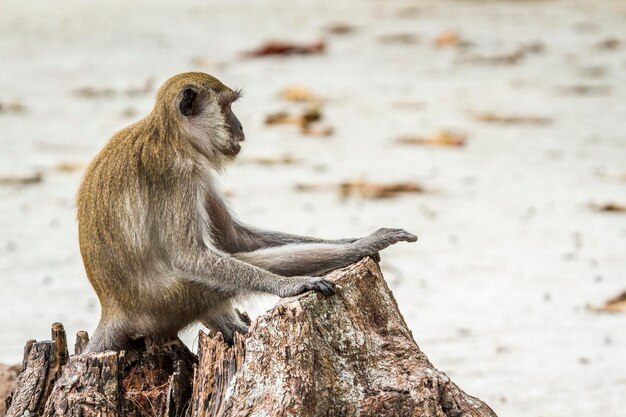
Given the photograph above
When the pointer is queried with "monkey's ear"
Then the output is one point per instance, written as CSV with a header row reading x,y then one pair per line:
x,y
186,104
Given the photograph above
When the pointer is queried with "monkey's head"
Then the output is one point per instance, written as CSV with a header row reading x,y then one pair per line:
x,y
200,106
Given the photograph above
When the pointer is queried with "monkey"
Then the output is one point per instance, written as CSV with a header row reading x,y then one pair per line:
x,y
160,245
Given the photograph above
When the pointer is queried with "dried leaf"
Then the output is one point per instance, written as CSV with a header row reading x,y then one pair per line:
x,y
512,119
501,59
586,90
279,48
309,116
35,178
12,106
613,305
340,29
608,44
366,190
299,95
609,208
322,131
509,58
377,191
443,138
313,187
70,166
400,38
280,118
94,92
448,39
281,160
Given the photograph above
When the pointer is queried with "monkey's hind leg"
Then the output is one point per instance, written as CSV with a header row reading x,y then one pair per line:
x,y
108,336
227,322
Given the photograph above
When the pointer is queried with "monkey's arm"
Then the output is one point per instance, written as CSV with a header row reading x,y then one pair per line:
x,y
301,258
283,251
229,276
233,236
248,238
184,242
319,258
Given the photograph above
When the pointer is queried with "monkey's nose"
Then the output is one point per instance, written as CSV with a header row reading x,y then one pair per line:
x,y
242,136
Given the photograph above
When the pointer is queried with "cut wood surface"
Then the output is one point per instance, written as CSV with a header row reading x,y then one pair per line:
x,y
350,354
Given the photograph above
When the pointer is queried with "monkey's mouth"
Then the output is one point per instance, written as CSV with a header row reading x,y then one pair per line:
x,y
233,150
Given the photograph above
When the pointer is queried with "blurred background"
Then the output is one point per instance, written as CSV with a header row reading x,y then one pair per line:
x,y
494,130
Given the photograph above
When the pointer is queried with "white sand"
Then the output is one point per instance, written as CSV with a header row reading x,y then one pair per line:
x,y
509,253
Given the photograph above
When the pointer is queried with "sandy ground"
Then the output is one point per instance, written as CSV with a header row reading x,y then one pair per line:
x,y
510,252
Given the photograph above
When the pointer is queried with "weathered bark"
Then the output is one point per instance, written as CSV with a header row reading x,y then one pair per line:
x,y
41,367
351,354
346,355
148,380
145,381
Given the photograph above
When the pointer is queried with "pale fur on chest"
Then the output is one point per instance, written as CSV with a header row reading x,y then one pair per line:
x,y
206,188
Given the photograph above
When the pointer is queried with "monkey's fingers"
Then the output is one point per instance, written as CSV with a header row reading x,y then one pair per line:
x,y
393,235
401,235
324,286
407,237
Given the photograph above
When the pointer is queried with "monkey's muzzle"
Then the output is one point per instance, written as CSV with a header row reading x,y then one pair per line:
x,y
234,150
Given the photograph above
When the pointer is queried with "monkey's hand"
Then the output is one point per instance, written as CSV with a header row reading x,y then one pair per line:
x,y
303,284
379,240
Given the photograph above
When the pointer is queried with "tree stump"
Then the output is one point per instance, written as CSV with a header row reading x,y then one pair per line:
x,y
147,380
351,354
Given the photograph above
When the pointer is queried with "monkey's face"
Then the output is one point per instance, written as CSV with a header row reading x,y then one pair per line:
x,y
235,128
204,107
208,114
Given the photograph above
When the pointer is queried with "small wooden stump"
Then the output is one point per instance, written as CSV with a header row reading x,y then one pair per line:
x,y
148,380
351,354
